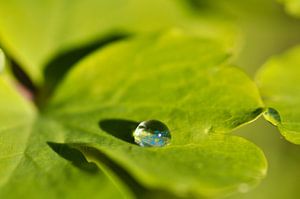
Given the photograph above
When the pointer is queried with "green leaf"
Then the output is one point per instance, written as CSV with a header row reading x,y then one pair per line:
x,y
35,32
176,78
28,165
292,7
215,165
278,81
2,60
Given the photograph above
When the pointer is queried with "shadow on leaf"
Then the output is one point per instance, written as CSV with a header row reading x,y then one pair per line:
x,y
119,128
78,153
75,156
138,189
56,68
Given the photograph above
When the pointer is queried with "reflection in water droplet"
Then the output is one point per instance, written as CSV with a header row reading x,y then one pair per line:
x,y
152,133
273,116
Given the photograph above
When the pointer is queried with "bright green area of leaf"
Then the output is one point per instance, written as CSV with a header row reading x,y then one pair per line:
x,y
2,60
292,7
181,80
28,166
33,32
278,80
4,69
157,71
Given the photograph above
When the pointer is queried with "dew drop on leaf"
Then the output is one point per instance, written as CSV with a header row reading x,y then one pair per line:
x,y
273,116
152,133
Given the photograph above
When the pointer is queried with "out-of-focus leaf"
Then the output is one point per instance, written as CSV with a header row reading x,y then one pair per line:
x,y
278,81
34,32
292,7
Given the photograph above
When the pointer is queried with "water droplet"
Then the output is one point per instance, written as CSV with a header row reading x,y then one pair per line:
x,y
272,116
152,133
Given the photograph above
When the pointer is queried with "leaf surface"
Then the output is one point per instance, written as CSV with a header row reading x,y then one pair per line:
x,y
178,78
29,165
278,81
181,80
